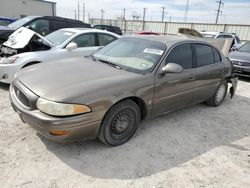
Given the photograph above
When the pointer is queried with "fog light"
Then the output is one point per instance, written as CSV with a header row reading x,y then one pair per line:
x,y
59,132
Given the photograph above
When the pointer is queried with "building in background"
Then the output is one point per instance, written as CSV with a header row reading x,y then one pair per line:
x,y
21,8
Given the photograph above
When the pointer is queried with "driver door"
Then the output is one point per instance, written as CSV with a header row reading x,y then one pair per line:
x,y
175,90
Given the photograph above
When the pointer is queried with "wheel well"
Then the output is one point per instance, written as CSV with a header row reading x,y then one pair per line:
x,y
140,103
31,63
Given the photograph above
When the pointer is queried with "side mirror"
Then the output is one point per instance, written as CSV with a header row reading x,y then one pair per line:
x,y
171,68
71,46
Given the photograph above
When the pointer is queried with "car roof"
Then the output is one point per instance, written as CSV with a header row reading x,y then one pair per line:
x,y
86,30
168,38
216,33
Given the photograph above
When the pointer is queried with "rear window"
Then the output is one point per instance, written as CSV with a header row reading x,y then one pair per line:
x,y
217,57
204,55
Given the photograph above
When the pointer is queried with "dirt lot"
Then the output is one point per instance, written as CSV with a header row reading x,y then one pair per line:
x,y
196,147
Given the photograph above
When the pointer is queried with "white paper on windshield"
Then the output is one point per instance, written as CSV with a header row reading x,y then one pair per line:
x,y
19,38
153,51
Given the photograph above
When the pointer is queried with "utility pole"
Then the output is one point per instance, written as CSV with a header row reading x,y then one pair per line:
x,y
75,15
143,19
83,12
124,14
186,12
218,11
102,12
170,18
144,14
78,8
163,14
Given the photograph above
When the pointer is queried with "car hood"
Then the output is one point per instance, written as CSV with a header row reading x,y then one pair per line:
x,y
242,56
21,37
65,81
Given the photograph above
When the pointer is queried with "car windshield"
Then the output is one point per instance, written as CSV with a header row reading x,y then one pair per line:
x,y
245,48
59,36
21,22
132,54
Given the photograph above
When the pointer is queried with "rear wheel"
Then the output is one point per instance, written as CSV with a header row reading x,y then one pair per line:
x,y
219,95
120,123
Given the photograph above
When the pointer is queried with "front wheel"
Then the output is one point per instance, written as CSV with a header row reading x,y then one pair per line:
x,y
120,123
219,95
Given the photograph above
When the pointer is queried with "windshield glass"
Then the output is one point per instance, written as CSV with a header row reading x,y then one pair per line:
x,y
245,48
133,54
59,36
21,22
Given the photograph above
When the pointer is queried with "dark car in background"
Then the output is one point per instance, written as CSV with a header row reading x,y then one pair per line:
x,y
110,28
6,21
40,24
108,94
241,60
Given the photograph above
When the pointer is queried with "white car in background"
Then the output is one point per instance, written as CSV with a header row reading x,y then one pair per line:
x,y
63,43
222,35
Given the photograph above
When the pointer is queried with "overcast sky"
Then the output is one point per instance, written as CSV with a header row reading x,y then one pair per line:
x,y
234,11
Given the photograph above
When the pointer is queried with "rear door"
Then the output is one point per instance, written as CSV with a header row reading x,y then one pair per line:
x,y
210,70
173,91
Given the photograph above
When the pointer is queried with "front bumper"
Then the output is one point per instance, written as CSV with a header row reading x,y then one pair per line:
x,y
7,72
242,70
80,127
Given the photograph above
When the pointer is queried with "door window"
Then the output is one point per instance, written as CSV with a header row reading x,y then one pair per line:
x,y
182,55
85,40
40,26
217,57
105,39
224,36
204,55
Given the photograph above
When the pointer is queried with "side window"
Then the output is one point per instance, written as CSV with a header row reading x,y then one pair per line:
x,y
204,55
40,26
182,55
224,36
58,24
85,40
105,39
217,57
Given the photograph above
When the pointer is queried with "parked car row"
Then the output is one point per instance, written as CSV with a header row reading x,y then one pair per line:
x,y
61,44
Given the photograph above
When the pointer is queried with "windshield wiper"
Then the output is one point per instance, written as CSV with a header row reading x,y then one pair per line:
x,y
110,63
91,56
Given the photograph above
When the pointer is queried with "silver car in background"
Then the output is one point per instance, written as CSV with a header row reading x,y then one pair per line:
x,y
241,60
66,43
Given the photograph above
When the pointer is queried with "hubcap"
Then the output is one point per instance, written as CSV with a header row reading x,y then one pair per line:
x,y
122,124
220,93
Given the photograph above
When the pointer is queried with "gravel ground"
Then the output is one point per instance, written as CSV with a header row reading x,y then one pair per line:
x,y
198,146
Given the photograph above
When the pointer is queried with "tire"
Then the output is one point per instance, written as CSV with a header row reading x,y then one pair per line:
x,y
120,123
219,95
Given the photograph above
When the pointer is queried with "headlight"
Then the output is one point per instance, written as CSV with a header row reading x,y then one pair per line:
x,y
61,109
9,60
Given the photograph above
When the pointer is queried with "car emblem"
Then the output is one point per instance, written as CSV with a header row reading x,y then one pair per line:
x,y
240,63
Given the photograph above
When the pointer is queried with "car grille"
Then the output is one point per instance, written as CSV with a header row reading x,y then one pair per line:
x,y
21,97
241,63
